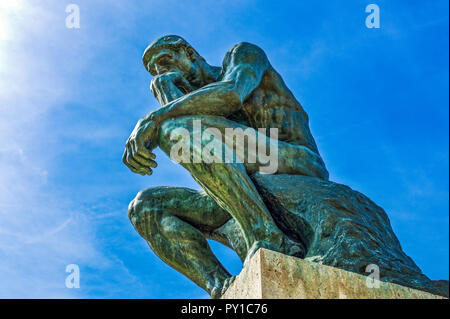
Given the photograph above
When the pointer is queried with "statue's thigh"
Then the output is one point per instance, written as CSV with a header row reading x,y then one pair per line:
x,y
195,124
257,151
192,206
236,142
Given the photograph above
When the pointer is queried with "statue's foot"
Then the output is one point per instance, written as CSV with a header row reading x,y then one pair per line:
x,y
220,289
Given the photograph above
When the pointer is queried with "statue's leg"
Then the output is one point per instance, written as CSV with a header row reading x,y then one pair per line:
x,y
230,186
175,222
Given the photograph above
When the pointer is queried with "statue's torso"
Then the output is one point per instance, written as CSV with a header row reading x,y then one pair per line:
x,y
272,105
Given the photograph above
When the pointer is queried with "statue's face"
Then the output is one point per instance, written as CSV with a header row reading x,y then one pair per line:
x,y
168,60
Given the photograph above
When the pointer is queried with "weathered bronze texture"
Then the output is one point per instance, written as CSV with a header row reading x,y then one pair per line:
x,y
295,211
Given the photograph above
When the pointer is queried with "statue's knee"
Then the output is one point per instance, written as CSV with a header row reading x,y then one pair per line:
x,y
147,214
141,212
172,130
136,212
175,125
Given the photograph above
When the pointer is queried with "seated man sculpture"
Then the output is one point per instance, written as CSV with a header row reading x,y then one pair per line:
x,y
246,93
282,202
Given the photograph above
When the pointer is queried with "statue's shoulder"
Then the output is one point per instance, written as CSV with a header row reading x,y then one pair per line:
x,y
246,47
245,52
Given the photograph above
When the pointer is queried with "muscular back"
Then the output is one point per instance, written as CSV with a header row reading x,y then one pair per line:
x,y
272,105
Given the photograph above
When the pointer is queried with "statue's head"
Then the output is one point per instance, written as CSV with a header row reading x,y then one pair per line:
x,y
171,53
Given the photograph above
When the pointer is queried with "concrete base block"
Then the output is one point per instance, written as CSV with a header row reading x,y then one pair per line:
x,y
271,275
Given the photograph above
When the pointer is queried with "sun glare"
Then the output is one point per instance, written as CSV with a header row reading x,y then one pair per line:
x,y
10,4
8,10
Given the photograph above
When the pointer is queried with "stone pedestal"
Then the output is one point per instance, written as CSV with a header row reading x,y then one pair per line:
x,y
271,275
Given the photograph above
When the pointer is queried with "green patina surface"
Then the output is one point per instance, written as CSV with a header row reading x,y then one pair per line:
x,y
295,211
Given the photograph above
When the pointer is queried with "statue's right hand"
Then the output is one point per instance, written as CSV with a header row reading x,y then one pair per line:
x,y
169,86
138,156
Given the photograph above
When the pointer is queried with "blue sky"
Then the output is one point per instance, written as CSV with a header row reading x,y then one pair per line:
x,y
69,98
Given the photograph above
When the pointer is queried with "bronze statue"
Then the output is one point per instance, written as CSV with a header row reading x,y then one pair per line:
x,y
245,93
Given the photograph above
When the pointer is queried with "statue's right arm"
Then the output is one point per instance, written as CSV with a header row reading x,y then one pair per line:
x,y
244,67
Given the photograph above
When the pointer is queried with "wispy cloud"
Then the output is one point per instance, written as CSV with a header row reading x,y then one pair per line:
x,y
41,230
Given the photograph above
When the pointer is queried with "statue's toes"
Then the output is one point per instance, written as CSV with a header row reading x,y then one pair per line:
x,y
227,284
219,289
216,293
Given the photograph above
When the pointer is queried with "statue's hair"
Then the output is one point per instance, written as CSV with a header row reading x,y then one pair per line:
x,y
173,42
